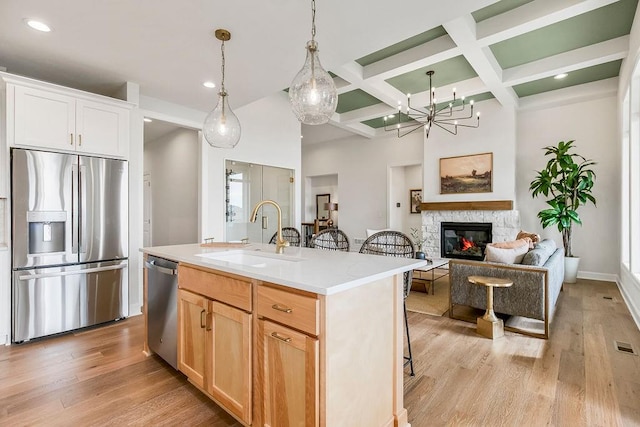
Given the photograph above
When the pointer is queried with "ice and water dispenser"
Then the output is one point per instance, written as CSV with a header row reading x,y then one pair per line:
x,y
46,232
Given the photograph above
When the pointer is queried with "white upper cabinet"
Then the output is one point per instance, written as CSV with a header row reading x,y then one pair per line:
x,y
76,122
42,119
102,128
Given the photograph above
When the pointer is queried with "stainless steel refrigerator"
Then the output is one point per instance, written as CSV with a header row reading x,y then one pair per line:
x,y
70,242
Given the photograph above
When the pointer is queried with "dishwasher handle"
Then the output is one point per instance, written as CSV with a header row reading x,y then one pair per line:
x,y
152,266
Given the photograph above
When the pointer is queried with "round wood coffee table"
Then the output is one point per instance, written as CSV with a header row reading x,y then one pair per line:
x,y
489,325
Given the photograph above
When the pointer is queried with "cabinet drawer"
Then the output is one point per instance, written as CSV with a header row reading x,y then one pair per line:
x,y
289,308
229,290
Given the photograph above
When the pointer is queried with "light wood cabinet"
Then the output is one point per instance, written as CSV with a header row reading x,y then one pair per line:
x,y
288,364
228,353
220,334
192,317
287,354
46,119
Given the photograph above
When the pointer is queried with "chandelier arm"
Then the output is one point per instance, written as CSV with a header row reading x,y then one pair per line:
x,y
446,107
403,126
417,111
454,132
477,125
456,118
408,132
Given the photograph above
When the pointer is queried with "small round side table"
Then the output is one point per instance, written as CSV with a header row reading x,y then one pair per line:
x,y
489,325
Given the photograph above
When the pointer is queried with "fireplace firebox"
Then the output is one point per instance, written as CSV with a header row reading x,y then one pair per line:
x,y
466,240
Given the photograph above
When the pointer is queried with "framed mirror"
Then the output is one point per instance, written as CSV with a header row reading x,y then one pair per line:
x,y
321,200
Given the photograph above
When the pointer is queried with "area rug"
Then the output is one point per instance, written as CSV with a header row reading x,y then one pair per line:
x,y
435,305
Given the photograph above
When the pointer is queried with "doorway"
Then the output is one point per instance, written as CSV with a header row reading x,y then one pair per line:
x,y
170,184
402,180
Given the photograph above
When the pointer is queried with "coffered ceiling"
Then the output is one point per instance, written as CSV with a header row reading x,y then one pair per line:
x,y
509,50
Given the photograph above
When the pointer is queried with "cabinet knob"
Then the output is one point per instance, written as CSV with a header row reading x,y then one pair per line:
x,y
280,337
284,309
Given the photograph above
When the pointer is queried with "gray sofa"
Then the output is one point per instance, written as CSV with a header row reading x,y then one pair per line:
x,y
533,295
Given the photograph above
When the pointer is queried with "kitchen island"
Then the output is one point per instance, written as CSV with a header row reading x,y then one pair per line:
x,y
308,337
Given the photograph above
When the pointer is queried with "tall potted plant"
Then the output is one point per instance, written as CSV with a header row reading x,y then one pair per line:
x,y
568,178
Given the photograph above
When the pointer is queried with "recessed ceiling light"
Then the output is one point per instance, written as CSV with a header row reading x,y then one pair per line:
x,y
210,85
148,120
38,25
561,76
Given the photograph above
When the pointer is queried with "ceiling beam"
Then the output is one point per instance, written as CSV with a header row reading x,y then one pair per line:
x,y
358,128
463,33
426,54
367,113
570,95
532,16
588,56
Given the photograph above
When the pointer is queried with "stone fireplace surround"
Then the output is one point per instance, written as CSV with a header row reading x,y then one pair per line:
x,y
506,225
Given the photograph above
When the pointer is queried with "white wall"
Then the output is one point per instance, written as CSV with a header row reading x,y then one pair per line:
x,y
172,164
496,134
592,125
362,166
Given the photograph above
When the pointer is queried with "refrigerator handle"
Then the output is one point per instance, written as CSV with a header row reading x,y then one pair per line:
x,y
82,218
74,208
71,273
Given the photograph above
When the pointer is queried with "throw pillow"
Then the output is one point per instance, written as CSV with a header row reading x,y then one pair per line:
x,y
505,256
537,257
535,238
526,241
547,245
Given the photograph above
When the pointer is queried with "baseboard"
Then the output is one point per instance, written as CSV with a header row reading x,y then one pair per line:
x,y
590,275
630,289
135,310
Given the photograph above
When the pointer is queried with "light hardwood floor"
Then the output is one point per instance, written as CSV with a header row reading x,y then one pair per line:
x,y
100,376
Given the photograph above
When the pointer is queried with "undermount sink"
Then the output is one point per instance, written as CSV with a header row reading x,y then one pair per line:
x,y
251,258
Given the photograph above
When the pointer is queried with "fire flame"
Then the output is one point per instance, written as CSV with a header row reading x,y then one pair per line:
x,y
467,244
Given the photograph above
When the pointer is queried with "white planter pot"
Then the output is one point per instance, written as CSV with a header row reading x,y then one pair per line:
x,y
571,269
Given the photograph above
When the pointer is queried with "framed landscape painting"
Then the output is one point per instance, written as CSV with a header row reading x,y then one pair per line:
x,y
466,174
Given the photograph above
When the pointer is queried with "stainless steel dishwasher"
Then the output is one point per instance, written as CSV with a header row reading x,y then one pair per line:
x,y
162,308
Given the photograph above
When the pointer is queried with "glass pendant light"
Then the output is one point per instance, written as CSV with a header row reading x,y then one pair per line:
x,y
221,126
312,93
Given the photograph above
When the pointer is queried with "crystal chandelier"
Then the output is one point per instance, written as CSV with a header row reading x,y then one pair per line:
x,y
312,93
445,117
221,126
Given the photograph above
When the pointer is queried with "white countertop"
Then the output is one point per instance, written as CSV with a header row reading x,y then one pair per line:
x,y
314,270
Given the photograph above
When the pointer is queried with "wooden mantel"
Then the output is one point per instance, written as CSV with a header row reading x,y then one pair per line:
x,y
480,205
